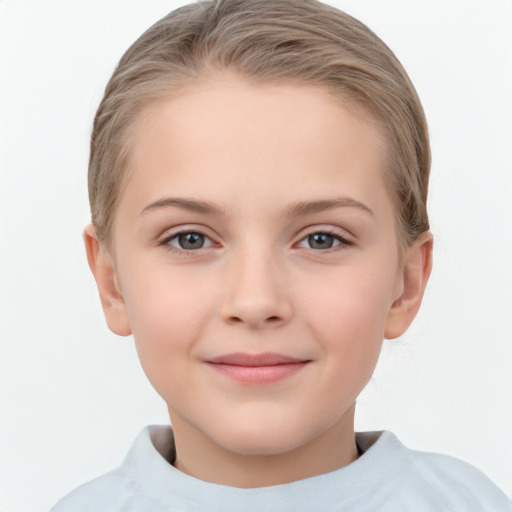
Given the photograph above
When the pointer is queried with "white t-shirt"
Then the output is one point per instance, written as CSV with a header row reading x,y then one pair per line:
x,y
387,477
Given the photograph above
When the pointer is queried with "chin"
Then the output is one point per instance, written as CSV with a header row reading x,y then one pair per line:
x,y
260,439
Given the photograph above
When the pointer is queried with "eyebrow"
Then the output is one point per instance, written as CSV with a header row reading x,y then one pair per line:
x,y
185,204
300,208
308,207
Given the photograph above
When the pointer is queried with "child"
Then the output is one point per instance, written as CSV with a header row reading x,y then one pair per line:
x,y
258,180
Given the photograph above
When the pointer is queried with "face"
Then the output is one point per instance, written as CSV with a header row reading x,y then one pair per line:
x,y
256,261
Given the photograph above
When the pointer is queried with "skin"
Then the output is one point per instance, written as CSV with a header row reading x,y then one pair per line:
x,y
257,170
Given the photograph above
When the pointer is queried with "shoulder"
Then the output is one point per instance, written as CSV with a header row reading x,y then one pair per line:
x,y
458,478
122,490
106,493
440,480
447,471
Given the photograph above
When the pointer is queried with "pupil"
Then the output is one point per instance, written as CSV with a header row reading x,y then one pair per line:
x,y
191,241
320,241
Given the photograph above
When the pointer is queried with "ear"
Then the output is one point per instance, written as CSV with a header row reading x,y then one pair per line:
x,y
104,273
416,269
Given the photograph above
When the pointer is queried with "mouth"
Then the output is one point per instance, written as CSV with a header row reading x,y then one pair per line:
x,y
265,368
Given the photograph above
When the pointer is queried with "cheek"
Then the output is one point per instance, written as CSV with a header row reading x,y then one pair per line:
x,y
167,317
349,318
354,303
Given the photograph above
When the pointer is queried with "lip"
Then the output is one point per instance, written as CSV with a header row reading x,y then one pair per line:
x,y
264,368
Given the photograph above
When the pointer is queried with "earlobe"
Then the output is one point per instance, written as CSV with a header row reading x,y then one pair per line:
x,y
102,267
415,273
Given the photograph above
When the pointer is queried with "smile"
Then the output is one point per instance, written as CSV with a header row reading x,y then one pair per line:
x,y
266,368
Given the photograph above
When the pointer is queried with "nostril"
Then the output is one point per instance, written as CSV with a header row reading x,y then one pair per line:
x,y
270,320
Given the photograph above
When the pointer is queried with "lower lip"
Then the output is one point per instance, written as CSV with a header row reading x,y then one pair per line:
x,y
258,374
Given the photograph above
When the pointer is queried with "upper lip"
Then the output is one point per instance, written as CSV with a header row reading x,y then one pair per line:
x,y
264,359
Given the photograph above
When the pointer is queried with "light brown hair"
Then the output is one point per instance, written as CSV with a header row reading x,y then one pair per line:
x,y
299,41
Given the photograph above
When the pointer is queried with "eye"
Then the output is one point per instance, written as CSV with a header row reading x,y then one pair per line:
x,y
319,241
188,241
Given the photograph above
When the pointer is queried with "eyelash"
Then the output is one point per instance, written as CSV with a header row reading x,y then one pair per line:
x,y
180,251
343,241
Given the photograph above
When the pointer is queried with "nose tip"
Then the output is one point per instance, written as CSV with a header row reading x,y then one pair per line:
x,y
257,297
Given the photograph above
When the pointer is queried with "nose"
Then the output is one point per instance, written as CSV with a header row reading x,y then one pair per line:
x,y
256,293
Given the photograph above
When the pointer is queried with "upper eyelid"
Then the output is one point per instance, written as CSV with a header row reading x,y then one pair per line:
x,y
328,230
170,233
170,236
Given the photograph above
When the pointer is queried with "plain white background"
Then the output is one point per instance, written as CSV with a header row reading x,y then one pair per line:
x,y
72,395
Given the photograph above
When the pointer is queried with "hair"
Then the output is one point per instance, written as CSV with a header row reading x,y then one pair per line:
x,y
292,41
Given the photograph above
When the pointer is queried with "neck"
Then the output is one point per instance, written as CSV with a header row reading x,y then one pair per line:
x,y
200,457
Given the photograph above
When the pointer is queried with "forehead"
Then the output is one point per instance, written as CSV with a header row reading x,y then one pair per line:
x,y
254,138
